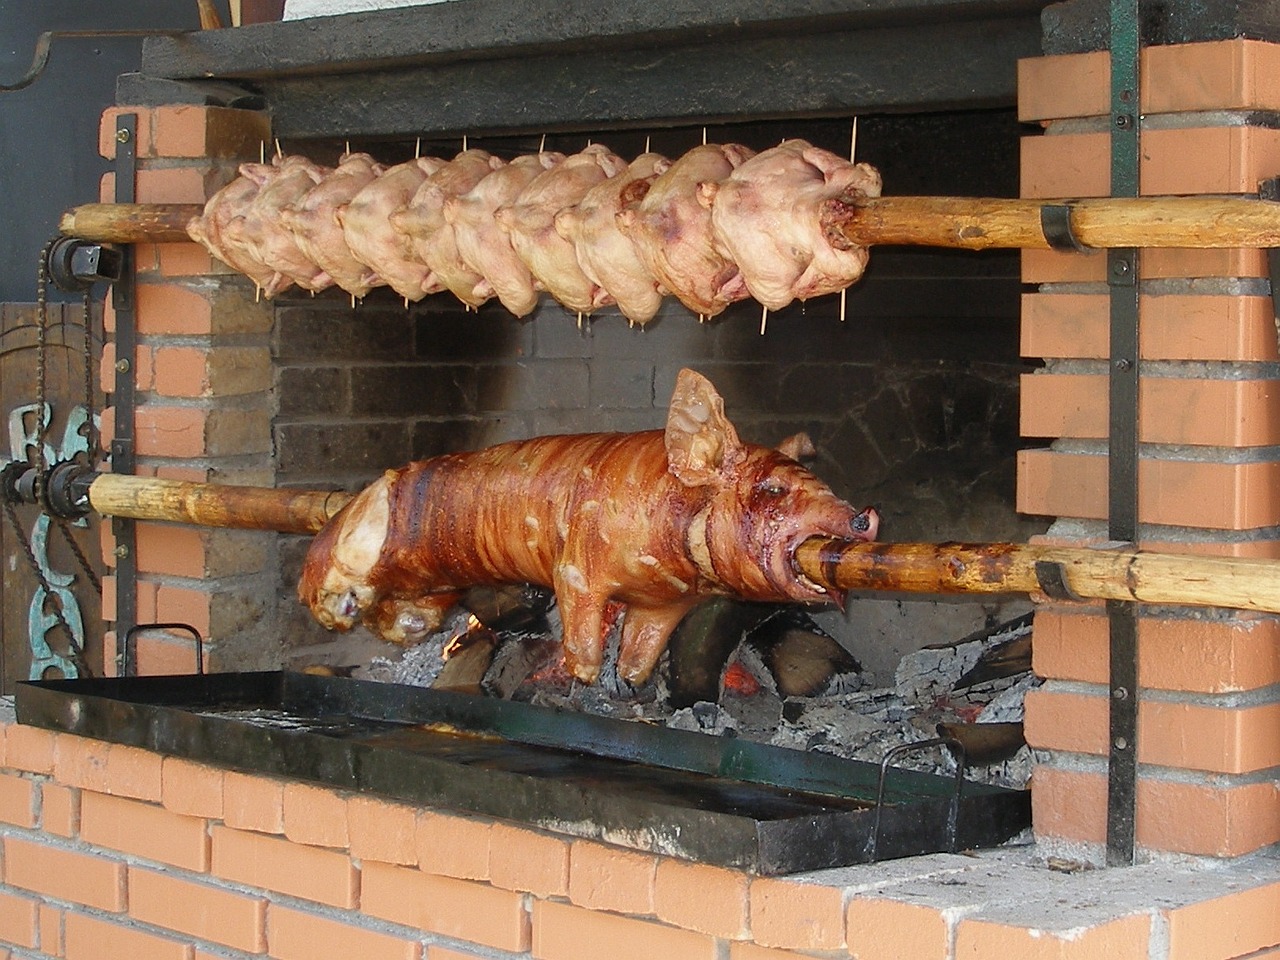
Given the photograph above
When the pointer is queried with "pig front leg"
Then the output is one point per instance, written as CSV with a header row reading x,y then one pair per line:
x,y
583,615
645,631
409,621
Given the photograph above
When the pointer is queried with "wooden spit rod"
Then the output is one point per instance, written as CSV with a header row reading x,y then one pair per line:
x,y
842,565
972,223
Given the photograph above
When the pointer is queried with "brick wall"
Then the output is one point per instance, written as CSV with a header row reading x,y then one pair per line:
x,y
112,852
1210,420
203,376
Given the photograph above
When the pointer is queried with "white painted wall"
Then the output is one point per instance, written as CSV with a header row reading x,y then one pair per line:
x,y
300,9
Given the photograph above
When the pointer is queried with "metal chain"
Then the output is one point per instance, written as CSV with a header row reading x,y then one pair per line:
x,y
65,529
73,645
42,335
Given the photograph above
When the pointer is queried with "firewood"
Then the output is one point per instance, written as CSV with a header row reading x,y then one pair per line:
x,y
465,668
985,742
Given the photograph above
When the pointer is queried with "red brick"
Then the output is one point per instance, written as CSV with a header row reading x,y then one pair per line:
x,y
146,595
463,909
315,815
29,748
610,878
1173,327
741,950
1173,410
453,846
185,605
107,144
165,431
252,802
59,810
1225,927
143,368
17,800
143,830
89,938
198,131
182,371
694,896
290,868
383,831
797,916
564,932
1224,496
51,939
175,185
198,910
304,936
170,549
173,308
183,260
64,874
134,772
444,953
1127,937
19,920
521,859
81,762
169,654
888,930
190,788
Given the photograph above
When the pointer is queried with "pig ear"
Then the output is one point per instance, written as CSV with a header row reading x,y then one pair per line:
x,y
798,446
702,445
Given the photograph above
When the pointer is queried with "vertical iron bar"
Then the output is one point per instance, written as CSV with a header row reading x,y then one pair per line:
x,y
1123,450
123,294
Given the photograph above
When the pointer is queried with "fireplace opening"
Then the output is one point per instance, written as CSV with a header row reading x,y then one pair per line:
x,y
911,400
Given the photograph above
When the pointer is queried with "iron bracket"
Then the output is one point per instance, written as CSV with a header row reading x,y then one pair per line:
x,y
123,458
1123,449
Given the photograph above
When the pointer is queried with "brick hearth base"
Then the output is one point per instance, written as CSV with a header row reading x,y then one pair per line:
x,y
116,853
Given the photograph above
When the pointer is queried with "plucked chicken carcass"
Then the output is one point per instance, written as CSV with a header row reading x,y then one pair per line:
x,y
423,223
282,183
366,226
484,246
606,255
531,222
671,229
655,521
765,217
212,230
316,230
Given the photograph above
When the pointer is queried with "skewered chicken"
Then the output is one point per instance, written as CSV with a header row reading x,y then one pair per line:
x,y
765,218
316,230
212,229
484,246
423,222
531,222
605,254
671,229
282,184
366,226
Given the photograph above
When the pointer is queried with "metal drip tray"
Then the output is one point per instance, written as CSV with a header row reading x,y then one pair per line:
x,y
712,799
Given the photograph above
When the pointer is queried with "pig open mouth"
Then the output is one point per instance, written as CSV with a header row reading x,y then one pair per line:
x,y
864,527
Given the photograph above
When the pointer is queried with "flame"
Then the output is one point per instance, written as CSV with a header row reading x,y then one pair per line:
x,y
460,641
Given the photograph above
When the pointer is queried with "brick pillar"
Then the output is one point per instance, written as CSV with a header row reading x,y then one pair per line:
x,y
1210,481
203,374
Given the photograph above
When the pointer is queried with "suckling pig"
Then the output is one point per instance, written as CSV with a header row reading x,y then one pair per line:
x,y
606,255
655,521
366,226
531,222
765,217
671,229
316,230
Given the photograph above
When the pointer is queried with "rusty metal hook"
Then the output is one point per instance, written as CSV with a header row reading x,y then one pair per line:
x,y
44,43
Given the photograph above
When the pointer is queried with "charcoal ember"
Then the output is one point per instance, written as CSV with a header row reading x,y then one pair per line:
x,y
705,717
933,672
1007,706
801,657
702,644
510,608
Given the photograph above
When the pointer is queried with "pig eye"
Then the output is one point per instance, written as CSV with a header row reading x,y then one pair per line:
x,y
770,488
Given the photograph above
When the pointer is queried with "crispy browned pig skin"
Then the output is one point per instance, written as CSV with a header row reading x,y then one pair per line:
x,y
655,520
606,255
212,229
283,182
531,221
316,230
765,217
366,225
484,246
671,229
423,223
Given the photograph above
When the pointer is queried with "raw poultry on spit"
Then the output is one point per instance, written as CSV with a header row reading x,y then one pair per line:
x,y
721,223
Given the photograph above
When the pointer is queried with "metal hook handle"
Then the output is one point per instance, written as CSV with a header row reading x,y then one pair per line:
x,y
953,813
129,656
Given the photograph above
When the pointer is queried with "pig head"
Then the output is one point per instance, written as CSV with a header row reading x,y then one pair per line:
x,y
655,521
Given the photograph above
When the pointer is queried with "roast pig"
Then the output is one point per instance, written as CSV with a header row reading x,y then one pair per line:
x,y
654,521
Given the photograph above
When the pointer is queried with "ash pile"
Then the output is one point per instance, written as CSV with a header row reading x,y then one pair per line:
x,y
766,672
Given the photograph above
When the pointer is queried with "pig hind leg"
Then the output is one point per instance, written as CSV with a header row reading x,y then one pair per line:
x,y
645,632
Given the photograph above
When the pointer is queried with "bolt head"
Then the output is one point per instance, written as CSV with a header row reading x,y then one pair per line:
x,y
122,551
122,136
122,366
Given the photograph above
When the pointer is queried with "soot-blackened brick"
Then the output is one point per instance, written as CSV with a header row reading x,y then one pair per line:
x,y
622,384
406,390
312,391
452,336
537,385
305,334
434,437
333,449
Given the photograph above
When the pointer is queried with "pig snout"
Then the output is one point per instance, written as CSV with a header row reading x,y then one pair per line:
x,y
866,525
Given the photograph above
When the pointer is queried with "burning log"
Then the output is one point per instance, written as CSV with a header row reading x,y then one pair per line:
x,y
799,654
985,743
466,658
